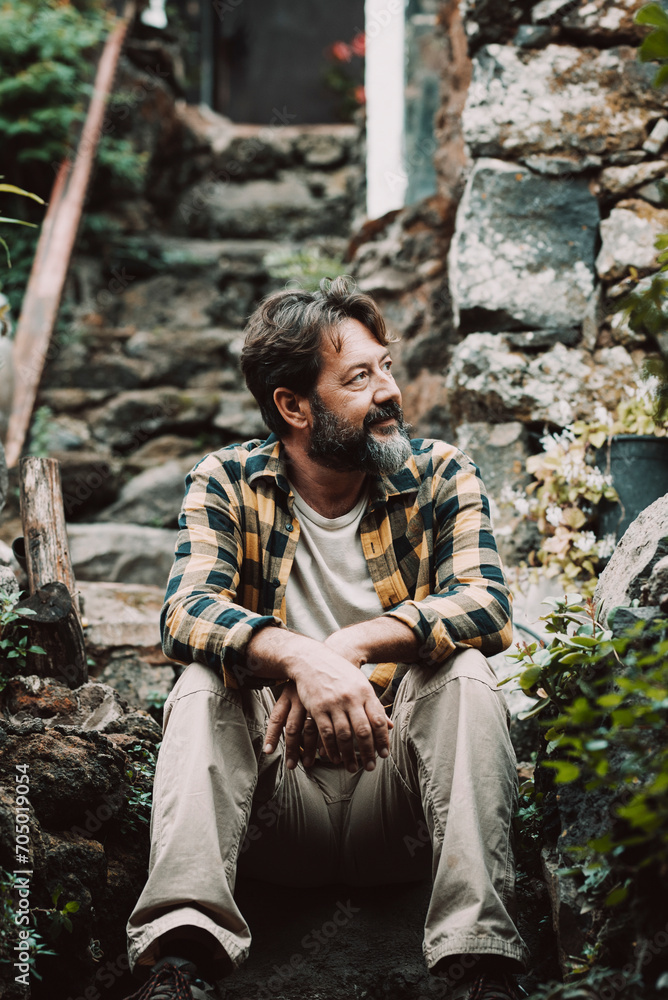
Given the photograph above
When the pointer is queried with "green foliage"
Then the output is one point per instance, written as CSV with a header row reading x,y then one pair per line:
x,y
12,189
48,54
654,47
40,429
606,702
60,917
303,268
609,699
13,637
140,775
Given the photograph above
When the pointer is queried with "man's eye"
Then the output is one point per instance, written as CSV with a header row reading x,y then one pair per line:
x,y
359,377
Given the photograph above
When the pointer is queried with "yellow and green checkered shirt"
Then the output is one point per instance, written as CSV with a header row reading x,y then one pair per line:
x,y
426,536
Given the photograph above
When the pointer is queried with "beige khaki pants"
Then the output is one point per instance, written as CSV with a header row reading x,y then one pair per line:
x,y
222,805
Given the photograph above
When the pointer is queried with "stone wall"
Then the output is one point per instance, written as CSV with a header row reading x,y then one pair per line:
x,y
505,286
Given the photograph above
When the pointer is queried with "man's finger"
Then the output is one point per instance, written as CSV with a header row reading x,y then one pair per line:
x,y
380,725
364,734
343,731
311,739
294,727
279,714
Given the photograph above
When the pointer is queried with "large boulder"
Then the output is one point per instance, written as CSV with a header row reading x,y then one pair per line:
x,y
131,418
488,379
641,547
560,99
121,553
154,497
173,357
523,250
295,204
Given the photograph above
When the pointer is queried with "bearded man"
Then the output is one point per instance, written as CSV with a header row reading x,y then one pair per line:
x,y
334,592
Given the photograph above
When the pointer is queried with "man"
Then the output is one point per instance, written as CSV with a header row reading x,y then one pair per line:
x,y
324,578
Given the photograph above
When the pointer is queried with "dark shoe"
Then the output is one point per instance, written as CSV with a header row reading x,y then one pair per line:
x,y
490,987
174,979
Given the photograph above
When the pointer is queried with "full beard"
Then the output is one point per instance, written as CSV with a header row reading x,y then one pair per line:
x,y
336,444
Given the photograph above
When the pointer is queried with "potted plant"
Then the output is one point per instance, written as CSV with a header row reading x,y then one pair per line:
x,y
591,481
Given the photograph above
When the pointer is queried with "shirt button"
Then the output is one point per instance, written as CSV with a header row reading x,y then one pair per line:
x,y
288,527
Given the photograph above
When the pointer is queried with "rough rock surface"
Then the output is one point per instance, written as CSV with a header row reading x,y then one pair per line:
x,y
153,497
557,100
596,20
628,236
131,418
500,451
640,549
489,380
122,614
655,592
293,204
523,250
121,553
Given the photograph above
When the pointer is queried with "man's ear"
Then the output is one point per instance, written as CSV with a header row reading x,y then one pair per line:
x,y
294,409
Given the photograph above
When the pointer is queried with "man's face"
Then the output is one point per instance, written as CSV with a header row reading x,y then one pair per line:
x,y
356,419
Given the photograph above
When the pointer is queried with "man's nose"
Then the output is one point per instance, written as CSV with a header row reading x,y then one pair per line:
x,y
386,389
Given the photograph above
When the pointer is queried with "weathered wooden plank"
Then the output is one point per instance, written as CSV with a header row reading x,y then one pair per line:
x,y
44,532
56,626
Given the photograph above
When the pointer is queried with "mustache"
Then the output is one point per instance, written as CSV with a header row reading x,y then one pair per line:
x,y
390,411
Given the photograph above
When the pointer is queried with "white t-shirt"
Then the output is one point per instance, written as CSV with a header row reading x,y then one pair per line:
x,y
329,586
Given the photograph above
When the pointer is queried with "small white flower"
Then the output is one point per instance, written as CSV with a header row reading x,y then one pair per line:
x,y
521,505
553,515
585,541
603,416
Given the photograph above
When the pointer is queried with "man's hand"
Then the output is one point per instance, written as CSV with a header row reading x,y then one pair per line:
x,y
328,688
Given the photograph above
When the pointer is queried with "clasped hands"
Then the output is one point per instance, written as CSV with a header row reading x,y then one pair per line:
x,y
328,703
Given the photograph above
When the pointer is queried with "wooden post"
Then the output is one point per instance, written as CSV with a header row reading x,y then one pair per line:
x,y
56,626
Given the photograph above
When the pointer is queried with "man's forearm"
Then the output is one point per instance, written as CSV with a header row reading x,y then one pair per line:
x,y
278,654
380,640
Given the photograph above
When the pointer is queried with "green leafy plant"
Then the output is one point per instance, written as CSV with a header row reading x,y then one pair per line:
x,y
603,699
13,637
61,917
140,774
569,486
305,268
48,52
12,189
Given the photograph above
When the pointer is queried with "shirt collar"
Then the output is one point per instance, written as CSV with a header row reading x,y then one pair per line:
x,y
267,460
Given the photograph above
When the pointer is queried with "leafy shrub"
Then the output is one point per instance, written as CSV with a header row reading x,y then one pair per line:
x,y
48,55
606,702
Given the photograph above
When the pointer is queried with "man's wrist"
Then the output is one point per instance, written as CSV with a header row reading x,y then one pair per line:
x,y
378,640
278,654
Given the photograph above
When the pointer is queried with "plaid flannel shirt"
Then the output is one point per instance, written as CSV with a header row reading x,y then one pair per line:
x,y
426,536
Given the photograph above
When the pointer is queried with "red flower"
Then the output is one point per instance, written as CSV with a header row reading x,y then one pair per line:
x,y
360,95
341,52
358,44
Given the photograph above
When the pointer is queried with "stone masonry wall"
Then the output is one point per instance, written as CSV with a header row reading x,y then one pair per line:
x,y
505,286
